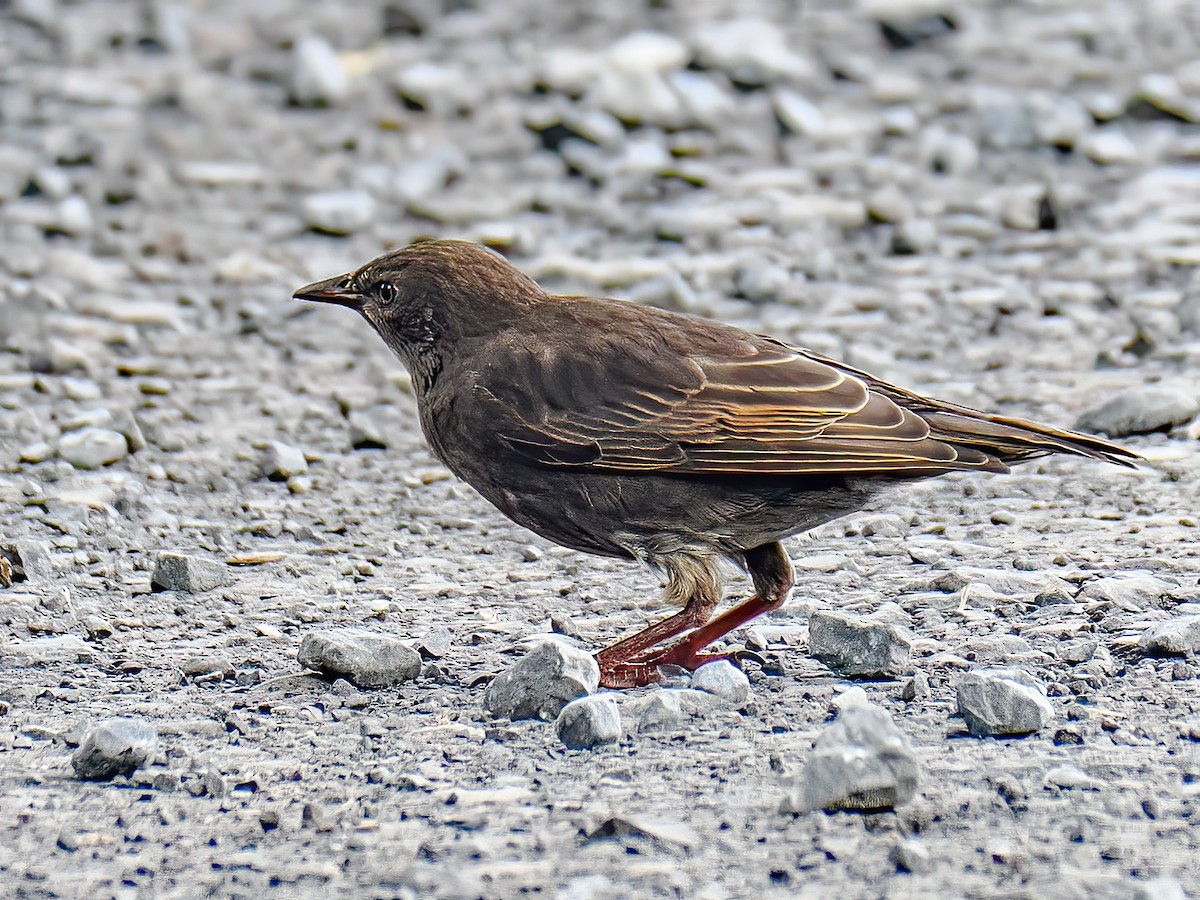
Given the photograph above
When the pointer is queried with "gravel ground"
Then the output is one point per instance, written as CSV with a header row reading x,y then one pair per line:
x,y
995,202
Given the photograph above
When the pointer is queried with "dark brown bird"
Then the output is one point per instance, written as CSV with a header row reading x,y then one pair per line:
x,y
632,432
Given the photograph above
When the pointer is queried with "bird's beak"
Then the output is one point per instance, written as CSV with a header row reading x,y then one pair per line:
x,y
339,289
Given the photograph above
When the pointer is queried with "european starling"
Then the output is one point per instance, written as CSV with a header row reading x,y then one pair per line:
x,y
632,432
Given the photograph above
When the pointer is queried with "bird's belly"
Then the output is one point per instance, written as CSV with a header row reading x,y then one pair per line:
x,y
651,514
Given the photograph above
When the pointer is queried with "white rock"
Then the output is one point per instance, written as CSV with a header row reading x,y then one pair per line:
x,y
74,216
90,448
589,722
647,51
798,114
364,658
1110,148
282,461
114,747
1002,702
723,679
318,76
540,685
339,212
751,51
862,761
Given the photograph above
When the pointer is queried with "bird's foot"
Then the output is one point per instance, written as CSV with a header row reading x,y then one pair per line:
x,y
688,658
623,675
646,668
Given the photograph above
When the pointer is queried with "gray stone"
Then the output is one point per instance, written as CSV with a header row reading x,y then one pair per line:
x,y
797,113
723,679
751,51
1179,636
857,648
1002,702
125,423
436,643
1078,651
860,762
29,560
1131,593
589,722
59,648
364,658
911,855
367,431
338,212
1110,148
1070,777
1162,888
282,461
318,77
189,574
97,628
1141,411
117,746
890,204
914,236
208,667
540,685
91,448
668,708
73,216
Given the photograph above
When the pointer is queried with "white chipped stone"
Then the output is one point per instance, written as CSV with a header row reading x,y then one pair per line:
x,y
91,448
1179,636
339,212
318,76
861,762
540,685
188,574
1002,702
117,746
858,648
364,658
723,679
589,722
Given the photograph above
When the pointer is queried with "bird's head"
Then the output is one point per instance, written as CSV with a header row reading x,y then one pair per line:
x,y
430,295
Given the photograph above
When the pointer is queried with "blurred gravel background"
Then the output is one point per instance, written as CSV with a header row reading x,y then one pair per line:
x,y
998,202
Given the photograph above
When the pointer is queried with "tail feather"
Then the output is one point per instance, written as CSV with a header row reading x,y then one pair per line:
x,y
1015,440
1004,439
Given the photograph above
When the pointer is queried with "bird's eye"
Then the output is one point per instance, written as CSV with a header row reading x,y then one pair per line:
x,y
386,292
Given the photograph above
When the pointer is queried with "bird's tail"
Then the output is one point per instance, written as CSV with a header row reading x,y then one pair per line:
x,y
1015,440
1003,439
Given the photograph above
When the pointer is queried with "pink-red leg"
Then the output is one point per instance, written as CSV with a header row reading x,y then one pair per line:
x,y
692,580
771,570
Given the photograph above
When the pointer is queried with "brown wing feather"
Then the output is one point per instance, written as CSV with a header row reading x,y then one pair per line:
x,y
746,405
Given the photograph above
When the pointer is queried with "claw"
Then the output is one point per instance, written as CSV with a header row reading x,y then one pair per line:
x,y
623,675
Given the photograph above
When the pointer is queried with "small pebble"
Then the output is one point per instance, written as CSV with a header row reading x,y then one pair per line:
x,y
1141,411
1002,702
117,746
282,461
589,722
857,648
542,683
723,679
860,762
91,448
364,658
1179,636
189,574
339,212
318,77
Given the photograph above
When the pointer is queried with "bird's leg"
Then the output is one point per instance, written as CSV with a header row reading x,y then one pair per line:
x,y
772,574
690,579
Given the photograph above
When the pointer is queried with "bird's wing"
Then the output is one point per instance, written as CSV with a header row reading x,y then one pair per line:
x,y
741,405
